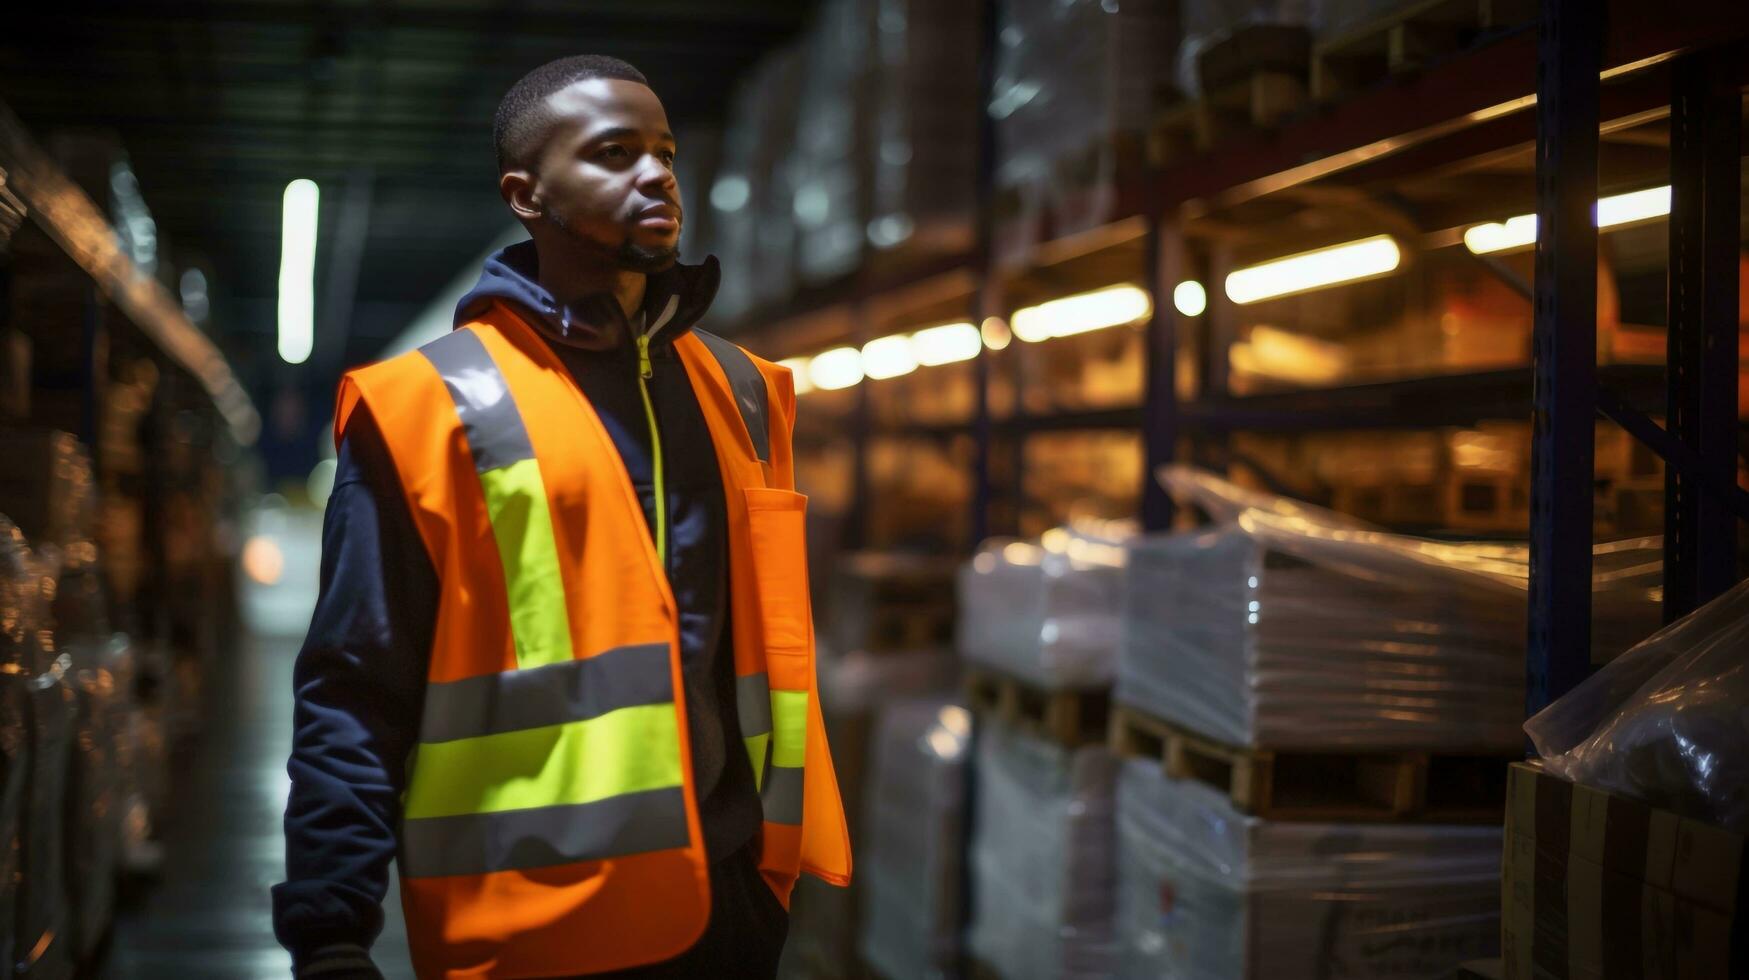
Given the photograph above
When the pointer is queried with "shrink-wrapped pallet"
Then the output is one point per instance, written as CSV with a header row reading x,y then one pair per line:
x,y
1280,627
1207,893
45,701
1041,866
1075,85
1047,612
923,88
829,206
913,852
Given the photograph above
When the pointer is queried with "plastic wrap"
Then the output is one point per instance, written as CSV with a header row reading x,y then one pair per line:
x,y
923,88
1041,868
1207,893
752,227
1209,22
1279,629
1051,612
831,141
45,701
913,853
1666,723
1071,75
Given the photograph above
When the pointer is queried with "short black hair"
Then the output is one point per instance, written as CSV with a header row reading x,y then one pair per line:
x,y
519,126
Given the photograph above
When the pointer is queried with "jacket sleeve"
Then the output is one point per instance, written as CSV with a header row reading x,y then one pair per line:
x,y
358,685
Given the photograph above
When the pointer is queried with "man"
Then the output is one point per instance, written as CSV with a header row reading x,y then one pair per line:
x,y
562,665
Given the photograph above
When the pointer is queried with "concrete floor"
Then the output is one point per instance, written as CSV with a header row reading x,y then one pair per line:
x,y
210,915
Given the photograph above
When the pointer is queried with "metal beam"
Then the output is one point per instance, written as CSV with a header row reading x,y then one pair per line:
x,y
1700,532
1160,360
1564,353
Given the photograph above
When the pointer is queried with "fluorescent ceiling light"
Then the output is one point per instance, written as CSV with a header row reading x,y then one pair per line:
x,y
888,357
1084,312
297,271
840,367
1520,231
798,369
1316,269
945,344
1189,298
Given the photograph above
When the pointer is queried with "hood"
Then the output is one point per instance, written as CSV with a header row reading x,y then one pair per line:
x,y
674,300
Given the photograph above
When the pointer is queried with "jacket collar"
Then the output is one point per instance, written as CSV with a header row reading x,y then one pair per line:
x,y
674,300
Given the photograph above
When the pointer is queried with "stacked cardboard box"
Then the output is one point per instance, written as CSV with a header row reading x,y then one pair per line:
x,y
1600,886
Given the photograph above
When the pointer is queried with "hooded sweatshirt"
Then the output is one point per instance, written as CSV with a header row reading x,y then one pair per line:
x,y
360,678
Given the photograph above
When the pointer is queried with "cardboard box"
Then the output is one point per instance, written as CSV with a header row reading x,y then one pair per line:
x,y
1600,886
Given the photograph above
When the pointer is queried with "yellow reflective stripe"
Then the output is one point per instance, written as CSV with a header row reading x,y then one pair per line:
x,y
789,728
756,746
624,751
522,524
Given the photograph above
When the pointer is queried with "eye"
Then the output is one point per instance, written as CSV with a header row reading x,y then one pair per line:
x,y
667,157
611,151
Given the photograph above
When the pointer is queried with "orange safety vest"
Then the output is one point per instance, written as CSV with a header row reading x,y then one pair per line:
x,y
550,824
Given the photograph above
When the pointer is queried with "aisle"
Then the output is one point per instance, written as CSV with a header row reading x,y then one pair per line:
x,y
211,915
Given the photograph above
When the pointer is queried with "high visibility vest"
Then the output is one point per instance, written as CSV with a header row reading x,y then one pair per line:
x,y
550,822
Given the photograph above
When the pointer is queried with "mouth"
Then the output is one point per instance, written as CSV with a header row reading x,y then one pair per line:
x,y
662,217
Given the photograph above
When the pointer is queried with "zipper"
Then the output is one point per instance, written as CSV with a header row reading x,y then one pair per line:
x,y
645,373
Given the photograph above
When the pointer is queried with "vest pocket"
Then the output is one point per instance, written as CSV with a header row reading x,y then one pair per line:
x,y
775,520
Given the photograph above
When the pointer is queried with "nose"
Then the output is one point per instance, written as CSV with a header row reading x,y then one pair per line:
x,y
655,175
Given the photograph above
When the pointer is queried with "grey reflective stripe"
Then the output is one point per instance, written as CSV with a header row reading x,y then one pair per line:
x,y
783,795
547,695
489,416
753,705
480,843
749,387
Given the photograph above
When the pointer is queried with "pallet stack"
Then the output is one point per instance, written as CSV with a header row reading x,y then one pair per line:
x,y
1318,720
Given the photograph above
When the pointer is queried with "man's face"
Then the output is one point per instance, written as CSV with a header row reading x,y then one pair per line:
x,y
606,174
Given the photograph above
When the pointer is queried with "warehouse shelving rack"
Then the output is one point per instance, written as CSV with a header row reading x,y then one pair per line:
x,y
1681,61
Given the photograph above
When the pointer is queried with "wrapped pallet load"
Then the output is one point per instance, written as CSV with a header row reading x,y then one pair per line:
x,y
923,88
1205,892
1075,85
1047,612
1041,865
831,142
1283,626
913,854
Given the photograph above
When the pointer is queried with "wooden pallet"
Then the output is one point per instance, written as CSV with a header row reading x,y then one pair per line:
x,y
1406,39
1430,787
1067,717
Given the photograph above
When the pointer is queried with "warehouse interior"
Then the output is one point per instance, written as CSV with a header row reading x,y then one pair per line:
x,y
1275,470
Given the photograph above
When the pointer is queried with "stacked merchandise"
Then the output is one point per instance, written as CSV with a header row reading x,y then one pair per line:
x,y
1075,84
1041,863
1205,892
1207,23
74,759
913,848
752,228
40,718
1048,613
831,138
854,686
923,90
1282,626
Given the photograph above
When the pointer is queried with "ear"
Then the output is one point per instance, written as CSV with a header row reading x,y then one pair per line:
x,y
519,189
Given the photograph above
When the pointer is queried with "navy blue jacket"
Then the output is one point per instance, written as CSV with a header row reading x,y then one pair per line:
x,y
359,680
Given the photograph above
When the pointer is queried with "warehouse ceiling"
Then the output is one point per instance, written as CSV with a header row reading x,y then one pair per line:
x,y
387,104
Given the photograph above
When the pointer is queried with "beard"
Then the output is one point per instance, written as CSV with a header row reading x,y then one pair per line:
x,y
627,256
